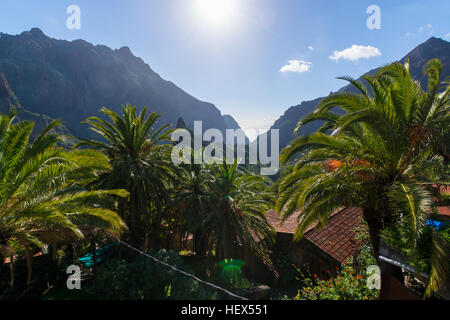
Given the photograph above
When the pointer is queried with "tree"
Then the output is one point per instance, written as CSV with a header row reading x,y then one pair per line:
x,y
237,220
383,155
140,163
43,198
224,209
193,202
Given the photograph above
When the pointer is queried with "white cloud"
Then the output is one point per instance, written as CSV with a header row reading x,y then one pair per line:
x,y
447,36
310,48
428,29
298,66
408,34
356,52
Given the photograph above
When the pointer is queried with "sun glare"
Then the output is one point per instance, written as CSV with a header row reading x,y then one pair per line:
x,y
216,13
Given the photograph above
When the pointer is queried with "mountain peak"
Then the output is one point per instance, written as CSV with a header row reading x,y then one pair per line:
x,y
435,39
433,44
36,32
125,52
85,77
125,49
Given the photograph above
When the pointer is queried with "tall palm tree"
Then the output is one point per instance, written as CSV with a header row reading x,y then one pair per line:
x,y
382,155
42,190
193,202
237,221
140,162
224,209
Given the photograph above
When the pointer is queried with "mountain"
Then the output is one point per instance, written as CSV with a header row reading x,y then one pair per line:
x,y
72,80
231,123
8,101
432,48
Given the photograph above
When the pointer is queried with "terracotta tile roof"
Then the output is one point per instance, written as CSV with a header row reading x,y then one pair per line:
x,y
287,226
445,211
337,237
445,189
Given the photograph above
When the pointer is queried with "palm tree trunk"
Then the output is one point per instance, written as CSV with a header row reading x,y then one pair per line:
x,y
122,207
53,264
375,225
11,270
71,251
146,241
197,244
54,249
133,219
29,259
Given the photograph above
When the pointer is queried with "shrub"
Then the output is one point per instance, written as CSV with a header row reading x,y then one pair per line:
x,y
347,285
145,279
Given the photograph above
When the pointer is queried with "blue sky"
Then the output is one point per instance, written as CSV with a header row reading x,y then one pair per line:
x,y
233,57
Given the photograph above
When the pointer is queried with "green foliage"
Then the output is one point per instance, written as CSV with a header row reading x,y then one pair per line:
x,y
383,154
346,285
421,258
365,258
139,155
224,209
44,196
145,279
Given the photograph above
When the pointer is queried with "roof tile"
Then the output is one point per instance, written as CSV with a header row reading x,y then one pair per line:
x,y
336,238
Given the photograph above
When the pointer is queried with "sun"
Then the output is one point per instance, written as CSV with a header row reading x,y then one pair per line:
x,y
216,13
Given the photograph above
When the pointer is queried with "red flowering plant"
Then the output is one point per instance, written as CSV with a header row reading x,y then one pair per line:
x,y
346,285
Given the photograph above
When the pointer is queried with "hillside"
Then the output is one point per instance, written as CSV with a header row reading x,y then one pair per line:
x,y
8,101
73,80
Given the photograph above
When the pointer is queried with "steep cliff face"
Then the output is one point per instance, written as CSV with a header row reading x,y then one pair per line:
x,y
73,80
432,48
8,101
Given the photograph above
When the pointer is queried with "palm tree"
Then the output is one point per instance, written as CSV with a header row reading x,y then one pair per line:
x,y
383,155
237,221
224,209
43,198
140,162
192,202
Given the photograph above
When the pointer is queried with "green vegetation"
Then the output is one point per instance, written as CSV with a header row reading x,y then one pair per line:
x,y
383,155
385,151
141,278
140,164
224,209
44,197
346,285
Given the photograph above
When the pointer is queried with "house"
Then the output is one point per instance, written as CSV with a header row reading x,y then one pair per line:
x,y
322,249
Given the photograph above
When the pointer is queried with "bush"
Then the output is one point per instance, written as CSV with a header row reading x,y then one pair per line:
x,y
347,285
421,257
145,279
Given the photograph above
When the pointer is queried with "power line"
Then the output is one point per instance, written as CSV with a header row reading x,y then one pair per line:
x,y
178,270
